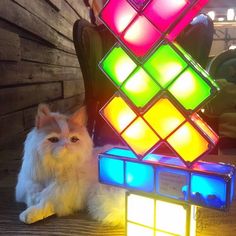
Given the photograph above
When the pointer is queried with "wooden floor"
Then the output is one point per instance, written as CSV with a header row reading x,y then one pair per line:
x,y
209,222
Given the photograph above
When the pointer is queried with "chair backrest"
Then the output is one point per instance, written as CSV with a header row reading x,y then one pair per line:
x,y
91,44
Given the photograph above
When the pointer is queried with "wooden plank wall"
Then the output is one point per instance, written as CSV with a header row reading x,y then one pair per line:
x,y
37,62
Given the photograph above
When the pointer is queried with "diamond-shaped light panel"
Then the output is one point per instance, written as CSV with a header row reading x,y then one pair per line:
x,y
190,89
163,13
164,65
118,114
136,40
117,65
140,137
117,15
188,143
140,88
164,117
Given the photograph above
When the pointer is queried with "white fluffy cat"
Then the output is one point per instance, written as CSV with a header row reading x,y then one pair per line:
x,y
59,172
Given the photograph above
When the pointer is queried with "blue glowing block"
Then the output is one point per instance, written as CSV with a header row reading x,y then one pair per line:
x,y
111,171
204,184
139,176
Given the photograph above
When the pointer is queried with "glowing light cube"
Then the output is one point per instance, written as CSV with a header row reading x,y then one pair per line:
x,y
190,89
164,117
140,210
209,191
140,137
140,88
188,143
111,171
136,40
118,114
139,176
165,64
137,230
171,218
117,65
164,13
117,15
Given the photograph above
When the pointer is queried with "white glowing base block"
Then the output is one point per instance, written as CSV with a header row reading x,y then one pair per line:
x,y
147,216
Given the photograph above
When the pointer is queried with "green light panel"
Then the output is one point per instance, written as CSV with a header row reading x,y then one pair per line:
x,y
164,65
118,65
140,88
190,89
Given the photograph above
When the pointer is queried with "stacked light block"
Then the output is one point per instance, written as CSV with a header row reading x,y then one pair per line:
x,y
160,89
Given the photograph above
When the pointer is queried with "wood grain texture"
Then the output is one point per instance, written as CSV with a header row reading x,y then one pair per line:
x,y
35,52
27,96
9,46
26,72
48,15
21,17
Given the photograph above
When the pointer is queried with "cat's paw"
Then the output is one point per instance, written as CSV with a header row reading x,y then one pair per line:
x,y
35,213
30,215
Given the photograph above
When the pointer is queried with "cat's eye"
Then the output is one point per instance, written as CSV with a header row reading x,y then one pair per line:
x,y
74,139
53,139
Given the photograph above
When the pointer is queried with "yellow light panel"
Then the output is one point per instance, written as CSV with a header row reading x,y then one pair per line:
x,y
188,142
118,114
140,210
171,218
164,117
140,137
136,230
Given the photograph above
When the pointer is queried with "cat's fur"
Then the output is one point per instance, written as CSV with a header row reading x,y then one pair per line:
x,y
59,172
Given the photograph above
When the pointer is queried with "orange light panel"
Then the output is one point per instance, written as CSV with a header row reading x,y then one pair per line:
x,y
188,142
140,137
164,117
118,114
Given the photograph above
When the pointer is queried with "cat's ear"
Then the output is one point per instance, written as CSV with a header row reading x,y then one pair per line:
x,y
43,116
79,117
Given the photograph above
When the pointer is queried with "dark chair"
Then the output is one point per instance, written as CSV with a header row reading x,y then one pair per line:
x,y
91,44
223,66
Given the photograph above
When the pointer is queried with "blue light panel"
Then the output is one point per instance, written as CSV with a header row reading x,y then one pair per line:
x,y
208,190
119,152
111,171
140,176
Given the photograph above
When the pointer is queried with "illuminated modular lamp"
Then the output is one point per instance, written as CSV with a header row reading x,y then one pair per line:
x,y
152,216
205,184
159,18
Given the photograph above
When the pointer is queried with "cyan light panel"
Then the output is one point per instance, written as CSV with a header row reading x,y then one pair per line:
x,y
139,176
120,152
111,171
210,191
